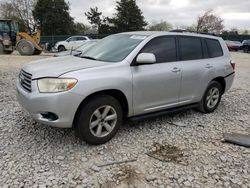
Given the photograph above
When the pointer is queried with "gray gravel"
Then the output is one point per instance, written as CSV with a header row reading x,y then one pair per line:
x,y
178,150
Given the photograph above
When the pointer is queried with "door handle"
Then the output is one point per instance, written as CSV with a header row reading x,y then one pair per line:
x,y
209,66
176,69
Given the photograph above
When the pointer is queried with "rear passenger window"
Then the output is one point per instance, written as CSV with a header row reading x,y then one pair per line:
x,y
164,49
214,48
190,48
81,38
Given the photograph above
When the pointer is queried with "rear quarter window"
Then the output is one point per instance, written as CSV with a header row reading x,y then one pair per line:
x,y
214,48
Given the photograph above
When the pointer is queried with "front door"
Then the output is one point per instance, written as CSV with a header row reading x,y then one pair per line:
x,y
157,86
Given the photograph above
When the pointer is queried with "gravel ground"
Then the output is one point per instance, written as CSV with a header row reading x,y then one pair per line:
x,y
178,150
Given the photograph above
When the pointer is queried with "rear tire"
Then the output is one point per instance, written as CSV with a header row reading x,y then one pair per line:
x,y
37,52
99,119
2,50
8,52
25,47
245,49
211,98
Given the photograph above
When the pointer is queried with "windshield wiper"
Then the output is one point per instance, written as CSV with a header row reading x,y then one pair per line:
x,y
88,57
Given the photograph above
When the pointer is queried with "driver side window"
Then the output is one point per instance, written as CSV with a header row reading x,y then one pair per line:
x,y
164,49
72,39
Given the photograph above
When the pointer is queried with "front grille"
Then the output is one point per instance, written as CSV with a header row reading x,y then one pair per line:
x,y
25,80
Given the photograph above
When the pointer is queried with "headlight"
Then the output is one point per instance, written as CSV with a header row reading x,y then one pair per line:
x,y
53,85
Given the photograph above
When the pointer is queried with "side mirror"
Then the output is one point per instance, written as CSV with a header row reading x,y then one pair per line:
x,y
146,58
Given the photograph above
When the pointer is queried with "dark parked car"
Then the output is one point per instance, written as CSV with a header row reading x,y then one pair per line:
x,y
245,46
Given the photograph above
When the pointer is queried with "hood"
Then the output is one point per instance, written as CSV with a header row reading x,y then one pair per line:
x,y
54,67
66,53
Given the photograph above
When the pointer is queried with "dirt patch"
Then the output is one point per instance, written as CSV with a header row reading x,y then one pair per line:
x,y
166,153
125,176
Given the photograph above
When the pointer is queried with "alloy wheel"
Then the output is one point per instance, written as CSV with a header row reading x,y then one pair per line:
x,y
212,97
103,121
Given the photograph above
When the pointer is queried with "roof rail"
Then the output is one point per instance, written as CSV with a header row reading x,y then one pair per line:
x,y
187,31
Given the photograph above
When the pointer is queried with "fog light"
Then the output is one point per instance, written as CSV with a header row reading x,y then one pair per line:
x,y
49,116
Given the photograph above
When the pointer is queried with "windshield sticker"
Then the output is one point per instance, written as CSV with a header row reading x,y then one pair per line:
x,y
138,37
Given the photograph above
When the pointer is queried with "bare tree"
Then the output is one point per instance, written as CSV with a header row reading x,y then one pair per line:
x,y
21,11
209,22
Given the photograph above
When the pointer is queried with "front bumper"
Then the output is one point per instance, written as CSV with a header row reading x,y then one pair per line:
x,y
64,105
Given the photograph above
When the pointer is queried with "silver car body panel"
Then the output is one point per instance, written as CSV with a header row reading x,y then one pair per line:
x,y
147,88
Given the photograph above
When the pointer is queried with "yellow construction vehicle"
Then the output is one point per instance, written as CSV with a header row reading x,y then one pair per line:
x,y
11,39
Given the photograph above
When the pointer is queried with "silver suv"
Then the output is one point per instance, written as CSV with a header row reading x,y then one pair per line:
x,y
126,75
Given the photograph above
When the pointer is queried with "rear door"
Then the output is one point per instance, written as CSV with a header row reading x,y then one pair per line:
x,y
197,68
157,86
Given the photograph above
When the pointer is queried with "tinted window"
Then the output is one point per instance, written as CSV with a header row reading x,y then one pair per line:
x,y
204,47
164,49
81,38
190,48
72,39
4,26
214,48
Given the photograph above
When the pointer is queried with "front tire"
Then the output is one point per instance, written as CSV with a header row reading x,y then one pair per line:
x,y
211,98
99,119
25,47
61,48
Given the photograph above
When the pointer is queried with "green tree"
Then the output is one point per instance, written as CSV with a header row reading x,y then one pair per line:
x,y
161,26
80,28
128,17
53,17
94,17
245,32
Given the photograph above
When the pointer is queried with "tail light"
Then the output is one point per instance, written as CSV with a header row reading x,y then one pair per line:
x,y
232,64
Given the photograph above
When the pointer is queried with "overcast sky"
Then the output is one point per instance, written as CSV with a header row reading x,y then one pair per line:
x,y
236,13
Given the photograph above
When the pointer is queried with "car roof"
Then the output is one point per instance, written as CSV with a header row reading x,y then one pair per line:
x,y
78,36
7,20
159,33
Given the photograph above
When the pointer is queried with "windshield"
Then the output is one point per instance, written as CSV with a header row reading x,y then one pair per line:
x,y
114,48
86,46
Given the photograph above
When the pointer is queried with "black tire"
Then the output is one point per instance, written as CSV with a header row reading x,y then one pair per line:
x,y
25,47
86,115
245,49
61,48
37,52
1,48
8,52
203,105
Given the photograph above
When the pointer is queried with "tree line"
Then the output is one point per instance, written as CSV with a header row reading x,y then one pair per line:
x,y
53,17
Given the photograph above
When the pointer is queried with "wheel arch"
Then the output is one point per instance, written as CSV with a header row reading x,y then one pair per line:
x,y
61,45
222,82
117,94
